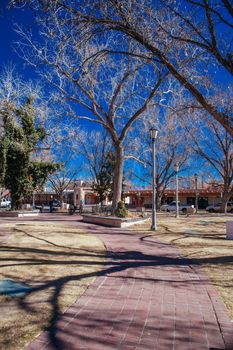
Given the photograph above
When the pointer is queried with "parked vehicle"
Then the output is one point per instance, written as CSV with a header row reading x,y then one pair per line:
x,y
56,203
172,207
5,203
46,207
215,208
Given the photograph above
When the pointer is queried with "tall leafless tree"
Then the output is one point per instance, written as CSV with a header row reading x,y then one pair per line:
x,y
172,146
111,97
93,148
96,149
158,28
213,144
206,25
61,180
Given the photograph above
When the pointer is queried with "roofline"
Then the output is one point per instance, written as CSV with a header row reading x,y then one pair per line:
x,y
173,191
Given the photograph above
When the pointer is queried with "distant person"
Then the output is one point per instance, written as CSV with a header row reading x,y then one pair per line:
x,y
51,205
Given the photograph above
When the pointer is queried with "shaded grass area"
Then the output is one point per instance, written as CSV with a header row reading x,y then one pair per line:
x,y
58,262
202,239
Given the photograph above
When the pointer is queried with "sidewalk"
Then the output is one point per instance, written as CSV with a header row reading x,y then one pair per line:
x,y
146,297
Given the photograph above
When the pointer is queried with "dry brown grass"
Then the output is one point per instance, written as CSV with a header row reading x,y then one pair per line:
x,y
202,238
53,259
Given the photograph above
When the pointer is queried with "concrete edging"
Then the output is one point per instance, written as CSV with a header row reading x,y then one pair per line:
x,y
112,221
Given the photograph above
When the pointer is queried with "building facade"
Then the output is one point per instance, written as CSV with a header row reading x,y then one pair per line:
x,y
81,192
206,196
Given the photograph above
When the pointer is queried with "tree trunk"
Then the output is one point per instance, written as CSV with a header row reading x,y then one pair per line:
x,y
101,199
159,200
225,198
61,198
118,177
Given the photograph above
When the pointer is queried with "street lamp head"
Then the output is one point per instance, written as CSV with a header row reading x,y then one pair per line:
x,y
153,133
195,177
176,167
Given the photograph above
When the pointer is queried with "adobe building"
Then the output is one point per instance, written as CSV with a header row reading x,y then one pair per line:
x,y
81,192
76,193
206,196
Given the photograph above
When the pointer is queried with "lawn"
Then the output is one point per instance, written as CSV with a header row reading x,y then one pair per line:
x,y
58,262
202,238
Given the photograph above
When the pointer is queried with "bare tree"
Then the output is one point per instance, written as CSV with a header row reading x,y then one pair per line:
x,y
206,25
213,144
93,147
62,147
15,91
159,31
172,147
61,180
99,160
113,98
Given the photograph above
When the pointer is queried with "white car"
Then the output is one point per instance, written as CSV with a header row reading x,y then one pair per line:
x,y
172,207
169,207
215,208
5,203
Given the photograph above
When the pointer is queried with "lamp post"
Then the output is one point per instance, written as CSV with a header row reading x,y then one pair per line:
x,y
176,168
153,135
196,193
75,195
33,199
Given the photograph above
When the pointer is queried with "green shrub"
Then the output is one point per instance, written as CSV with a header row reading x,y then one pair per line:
x,y
121,211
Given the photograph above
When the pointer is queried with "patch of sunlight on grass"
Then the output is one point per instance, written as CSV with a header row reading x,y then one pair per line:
x,y
59,262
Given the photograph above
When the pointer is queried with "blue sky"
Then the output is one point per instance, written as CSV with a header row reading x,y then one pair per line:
x,y
8,55
26,17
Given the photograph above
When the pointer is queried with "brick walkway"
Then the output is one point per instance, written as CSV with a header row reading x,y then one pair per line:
x,y
146,297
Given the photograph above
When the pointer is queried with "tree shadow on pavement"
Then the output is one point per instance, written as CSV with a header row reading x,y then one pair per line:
x,y
118,261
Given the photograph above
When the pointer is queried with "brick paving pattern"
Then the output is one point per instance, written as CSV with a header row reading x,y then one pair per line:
x,y
146,297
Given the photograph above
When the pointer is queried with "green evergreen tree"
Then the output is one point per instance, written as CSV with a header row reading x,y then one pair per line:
x,y
19,172
104,178
121,211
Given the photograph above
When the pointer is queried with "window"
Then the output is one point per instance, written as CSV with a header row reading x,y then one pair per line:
x,y
169,199
190,200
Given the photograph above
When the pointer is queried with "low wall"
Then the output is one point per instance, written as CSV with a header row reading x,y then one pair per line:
x,y
112,221
15,214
